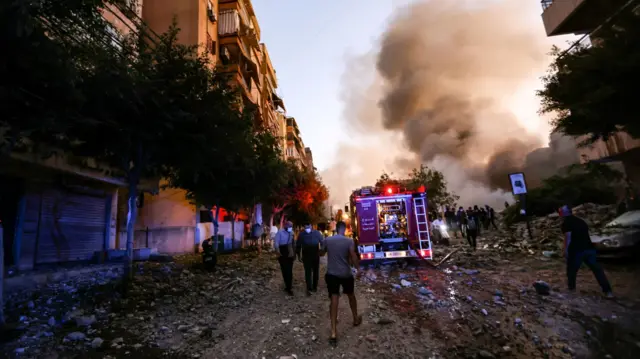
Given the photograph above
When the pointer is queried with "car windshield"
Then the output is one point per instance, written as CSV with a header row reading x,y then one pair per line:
x,y
628,219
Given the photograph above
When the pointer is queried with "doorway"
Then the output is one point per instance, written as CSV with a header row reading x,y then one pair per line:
x,y
11,190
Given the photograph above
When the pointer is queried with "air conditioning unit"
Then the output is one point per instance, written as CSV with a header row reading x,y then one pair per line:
x,y
211,15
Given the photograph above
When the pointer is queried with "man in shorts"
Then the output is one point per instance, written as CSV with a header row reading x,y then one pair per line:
x,y
341,256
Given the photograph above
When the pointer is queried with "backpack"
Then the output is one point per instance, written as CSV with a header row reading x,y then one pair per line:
x,y
472,224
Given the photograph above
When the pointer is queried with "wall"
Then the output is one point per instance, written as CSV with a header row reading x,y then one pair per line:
x,y
168,218
191,17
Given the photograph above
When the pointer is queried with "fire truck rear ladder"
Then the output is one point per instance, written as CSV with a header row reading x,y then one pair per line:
x,y
424,239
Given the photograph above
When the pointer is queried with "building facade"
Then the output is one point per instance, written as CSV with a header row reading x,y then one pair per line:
x,y
584,17
295,149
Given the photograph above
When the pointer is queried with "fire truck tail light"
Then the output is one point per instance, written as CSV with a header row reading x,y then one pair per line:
x,y
425,253
367,256
389,190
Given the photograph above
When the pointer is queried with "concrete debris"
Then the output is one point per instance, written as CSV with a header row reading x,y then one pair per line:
x,y
547,239
542,287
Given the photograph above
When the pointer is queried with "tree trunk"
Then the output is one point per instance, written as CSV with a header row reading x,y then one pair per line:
x,y
131,221
1,279
216,215
271,218
282,218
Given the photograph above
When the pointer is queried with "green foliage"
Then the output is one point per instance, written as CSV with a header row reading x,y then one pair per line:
x,y
438,194
586,183
46,43
301,196
592,89
145,105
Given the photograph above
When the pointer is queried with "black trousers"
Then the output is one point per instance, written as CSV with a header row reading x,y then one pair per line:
x,y
588,257
493,223
472,234
311,270
286,267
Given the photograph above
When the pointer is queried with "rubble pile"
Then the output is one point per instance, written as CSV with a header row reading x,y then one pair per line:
x,y
169,307
546,231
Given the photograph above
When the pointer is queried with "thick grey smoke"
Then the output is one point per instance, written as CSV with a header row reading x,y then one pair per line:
x,y
446,70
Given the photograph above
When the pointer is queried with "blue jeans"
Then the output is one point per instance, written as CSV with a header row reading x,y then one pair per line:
x,y
575,260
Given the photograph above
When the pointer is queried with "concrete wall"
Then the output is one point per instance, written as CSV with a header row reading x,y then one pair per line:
x,y
191,17
165,239
169,208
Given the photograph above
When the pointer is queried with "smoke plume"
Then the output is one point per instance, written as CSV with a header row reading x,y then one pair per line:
x,y
445,74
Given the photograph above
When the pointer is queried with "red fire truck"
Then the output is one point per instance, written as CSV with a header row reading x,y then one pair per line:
x,y
390,223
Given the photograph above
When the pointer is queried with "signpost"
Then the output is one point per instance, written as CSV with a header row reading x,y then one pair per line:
x,y
519,189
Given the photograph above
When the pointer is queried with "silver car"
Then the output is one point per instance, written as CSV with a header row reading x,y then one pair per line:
x,y
620,237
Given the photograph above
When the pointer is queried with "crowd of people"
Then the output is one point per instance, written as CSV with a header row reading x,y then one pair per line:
x,y
468,223
342,265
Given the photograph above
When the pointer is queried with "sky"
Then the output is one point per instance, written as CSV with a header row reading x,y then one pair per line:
x,y
309,43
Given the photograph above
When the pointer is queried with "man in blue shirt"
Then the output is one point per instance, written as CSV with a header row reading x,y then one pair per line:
x,y
308,247
284,247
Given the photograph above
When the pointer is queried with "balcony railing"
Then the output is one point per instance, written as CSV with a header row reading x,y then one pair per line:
x,y
546,3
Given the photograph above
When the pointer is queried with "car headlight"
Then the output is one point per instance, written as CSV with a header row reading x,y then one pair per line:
x,y
611,243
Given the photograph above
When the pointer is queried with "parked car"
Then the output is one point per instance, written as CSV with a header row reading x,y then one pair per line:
x,y
620,237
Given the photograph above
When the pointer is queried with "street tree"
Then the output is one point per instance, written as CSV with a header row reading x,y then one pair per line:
x,y
49,40
306,203
591,89
144,111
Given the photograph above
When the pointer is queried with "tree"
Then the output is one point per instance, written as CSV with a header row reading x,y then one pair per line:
x,y
148,108
307,200
39,76
591,90
582,183
438,194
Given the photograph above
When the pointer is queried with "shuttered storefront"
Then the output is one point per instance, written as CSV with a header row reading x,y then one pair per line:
x,y
72,225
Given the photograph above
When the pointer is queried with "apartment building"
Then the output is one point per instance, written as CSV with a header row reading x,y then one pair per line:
x,y
309,157
584,17
295,149
228,30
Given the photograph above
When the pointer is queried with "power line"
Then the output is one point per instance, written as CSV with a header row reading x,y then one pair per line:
x,y
608,20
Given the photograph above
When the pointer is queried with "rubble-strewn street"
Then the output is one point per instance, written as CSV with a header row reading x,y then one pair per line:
x,y
477,305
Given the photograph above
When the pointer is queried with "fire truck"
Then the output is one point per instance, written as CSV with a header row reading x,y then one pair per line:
x,y
390,223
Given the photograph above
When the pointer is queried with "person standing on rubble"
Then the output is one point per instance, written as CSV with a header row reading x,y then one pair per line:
x,y
492,216
308,252
285,250
342,264
472,226
460,218
579,249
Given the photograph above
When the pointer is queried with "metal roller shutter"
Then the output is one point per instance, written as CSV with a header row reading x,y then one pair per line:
x,y
72,226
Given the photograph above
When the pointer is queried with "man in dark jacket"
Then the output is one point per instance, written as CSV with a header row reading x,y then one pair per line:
x,y
308,252
579,249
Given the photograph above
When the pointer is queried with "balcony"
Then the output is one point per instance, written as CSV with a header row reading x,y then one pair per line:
x,y
562,17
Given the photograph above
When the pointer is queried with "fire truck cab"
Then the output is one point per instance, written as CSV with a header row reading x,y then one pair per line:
x,y
390,223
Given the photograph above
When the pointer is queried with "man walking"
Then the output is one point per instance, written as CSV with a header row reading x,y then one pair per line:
x,y
341,254
308,246
472,231
579,249
284,247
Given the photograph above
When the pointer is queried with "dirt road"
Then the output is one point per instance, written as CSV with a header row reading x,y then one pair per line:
x,y
478,305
